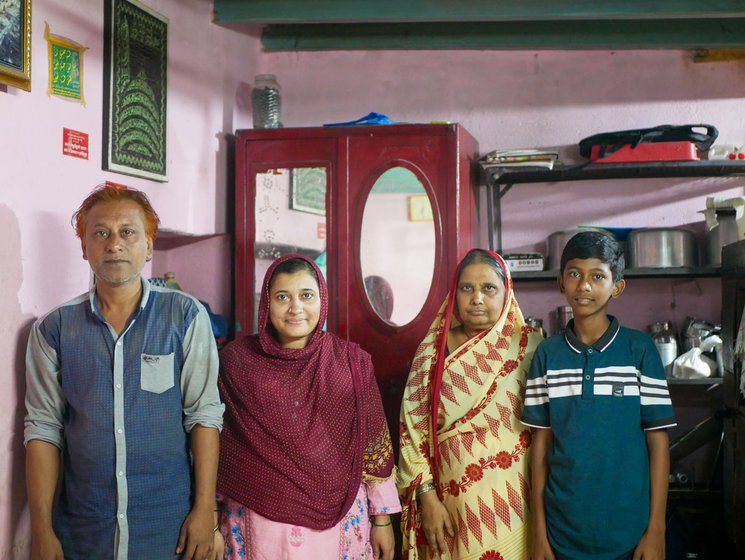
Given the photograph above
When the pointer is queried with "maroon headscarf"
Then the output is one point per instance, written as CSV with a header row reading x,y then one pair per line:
x,y
301,425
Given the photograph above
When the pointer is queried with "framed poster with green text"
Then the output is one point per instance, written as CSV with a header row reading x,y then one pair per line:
x,y
65,67
135,92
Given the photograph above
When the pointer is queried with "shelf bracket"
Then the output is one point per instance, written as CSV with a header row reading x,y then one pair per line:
x,y
494,210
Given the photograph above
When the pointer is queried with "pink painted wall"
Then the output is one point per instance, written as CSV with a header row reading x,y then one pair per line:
x,y
544,99
505,99
210,69
201,269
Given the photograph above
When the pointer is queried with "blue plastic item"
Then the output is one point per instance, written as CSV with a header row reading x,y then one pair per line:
x,y
370,118
620,233
219,323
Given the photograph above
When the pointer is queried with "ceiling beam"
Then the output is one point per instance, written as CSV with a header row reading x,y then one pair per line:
x,y
534,35
409,11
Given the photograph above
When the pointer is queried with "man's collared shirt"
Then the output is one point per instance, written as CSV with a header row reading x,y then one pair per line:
x,y
120,408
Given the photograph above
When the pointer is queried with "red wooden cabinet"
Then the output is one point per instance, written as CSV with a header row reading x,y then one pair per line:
x,y
272,168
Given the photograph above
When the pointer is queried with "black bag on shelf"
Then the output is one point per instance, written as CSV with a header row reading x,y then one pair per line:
x,y
703,135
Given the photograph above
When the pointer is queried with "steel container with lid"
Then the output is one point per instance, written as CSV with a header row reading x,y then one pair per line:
x,y
662,248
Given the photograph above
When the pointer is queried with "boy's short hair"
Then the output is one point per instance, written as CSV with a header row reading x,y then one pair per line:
x,y
595,245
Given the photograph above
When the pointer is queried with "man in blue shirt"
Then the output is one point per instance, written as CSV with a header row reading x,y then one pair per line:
x,y
123,382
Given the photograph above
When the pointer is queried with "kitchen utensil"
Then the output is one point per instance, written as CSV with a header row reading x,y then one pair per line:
x,y
695,331
558,240
666,343
662,248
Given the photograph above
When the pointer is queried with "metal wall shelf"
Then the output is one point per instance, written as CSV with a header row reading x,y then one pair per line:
x,y
677,272
500,179
702,381
172,239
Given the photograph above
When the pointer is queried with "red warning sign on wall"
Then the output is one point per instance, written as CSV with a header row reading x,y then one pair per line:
x,y
74,143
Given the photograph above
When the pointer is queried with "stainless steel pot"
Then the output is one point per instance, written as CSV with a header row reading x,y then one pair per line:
x,y
558,240
662,248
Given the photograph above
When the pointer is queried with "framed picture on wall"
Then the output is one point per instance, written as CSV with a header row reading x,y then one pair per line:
x,y
135,90
420,208
308,190
65,67
15,43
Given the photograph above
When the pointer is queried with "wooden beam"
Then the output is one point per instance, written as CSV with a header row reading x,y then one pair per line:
x,y
409,11
534,35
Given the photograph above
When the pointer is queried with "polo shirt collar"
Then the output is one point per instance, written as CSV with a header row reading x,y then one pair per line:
x,y
601,344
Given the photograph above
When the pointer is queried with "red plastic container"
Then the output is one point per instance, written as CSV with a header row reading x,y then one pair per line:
x,y
653,151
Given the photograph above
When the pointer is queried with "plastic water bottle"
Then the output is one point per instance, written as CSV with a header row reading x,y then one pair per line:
x,y
267,102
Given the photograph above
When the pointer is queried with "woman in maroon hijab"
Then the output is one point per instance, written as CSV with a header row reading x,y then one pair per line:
x,y
305,457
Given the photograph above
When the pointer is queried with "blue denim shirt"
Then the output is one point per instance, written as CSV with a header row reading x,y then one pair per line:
x,y
120,408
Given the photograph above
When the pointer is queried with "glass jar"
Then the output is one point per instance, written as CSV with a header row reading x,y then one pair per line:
x,y
266,102
666,343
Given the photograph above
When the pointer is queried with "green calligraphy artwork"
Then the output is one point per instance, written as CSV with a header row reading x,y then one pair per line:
x,y
65,67
309,190
136,87
65,72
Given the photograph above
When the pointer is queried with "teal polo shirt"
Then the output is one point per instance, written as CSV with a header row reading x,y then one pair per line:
x,y
598,400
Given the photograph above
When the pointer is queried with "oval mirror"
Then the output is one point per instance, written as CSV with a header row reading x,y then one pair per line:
x,y
397,246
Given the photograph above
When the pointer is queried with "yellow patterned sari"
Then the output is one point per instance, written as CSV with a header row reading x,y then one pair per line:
x,y
481,471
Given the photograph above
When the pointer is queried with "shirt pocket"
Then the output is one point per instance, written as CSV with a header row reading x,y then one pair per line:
x,y
156,373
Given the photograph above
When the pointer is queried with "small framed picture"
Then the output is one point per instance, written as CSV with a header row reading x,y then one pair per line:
x,y
65,67
420,208
15,43
308,190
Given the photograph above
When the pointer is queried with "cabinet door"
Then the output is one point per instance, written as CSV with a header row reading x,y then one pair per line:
x,y
282,188
398,238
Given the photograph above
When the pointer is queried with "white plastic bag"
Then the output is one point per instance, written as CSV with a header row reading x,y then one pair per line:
x,y
694,365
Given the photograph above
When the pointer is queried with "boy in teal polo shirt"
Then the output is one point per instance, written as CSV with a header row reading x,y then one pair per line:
x,y
598,399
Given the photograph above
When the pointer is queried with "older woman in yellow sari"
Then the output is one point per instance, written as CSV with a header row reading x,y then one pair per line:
x,y
463,472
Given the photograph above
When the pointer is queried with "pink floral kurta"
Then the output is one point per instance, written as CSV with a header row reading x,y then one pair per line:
x,y
250,536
